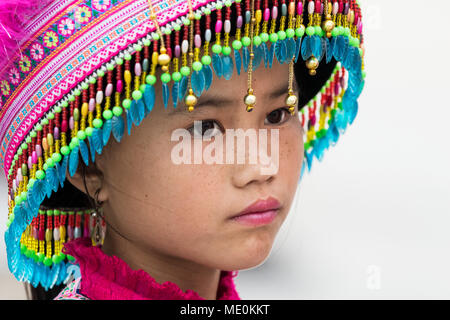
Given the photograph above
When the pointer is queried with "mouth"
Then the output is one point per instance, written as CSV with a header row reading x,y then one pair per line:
x,y
260,211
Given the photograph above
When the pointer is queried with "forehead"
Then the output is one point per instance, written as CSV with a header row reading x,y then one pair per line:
x,y
267,83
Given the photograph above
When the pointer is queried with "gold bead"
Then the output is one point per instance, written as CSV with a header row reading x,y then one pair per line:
x,y
292,110
249,108
190,100
250,99
163,59
312,64
163,50
328,26
165,68
153,16
291,100
191,16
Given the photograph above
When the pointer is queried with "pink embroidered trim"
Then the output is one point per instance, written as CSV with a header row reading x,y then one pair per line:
x,y
106,277
70,292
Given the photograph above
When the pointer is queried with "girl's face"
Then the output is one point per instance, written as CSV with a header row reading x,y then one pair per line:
x,y
182,211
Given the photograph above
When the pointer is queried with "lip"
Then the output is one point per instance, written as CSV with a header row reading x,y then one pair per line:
x,y
259,212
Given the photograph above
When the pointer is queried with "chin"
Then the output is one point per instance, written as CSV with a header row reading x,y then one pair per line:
x,y
249,254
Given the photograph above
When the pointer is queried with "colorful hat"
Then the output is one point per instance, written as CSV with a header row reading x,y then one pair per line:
x,y
81,72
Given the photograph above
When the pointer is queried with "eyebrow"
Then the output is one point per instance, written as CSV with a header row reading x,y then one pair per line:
x,y
221,102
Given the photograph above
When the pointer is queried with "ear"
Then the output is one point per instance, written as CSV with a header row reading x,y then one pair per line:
x,y
88,179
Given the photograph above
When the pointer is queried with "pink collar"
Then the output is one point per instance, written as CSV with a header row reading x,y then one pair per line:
x,y
106,277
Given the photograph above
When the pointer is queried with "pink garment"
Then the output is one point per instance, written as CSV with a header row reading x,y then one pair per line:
x,y
106,277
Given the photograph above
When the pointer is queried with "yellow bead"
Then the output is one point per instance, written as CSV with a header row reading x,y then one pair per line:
x,y
155,57
48,235
85,109
44,144
50,139
62,232
127,76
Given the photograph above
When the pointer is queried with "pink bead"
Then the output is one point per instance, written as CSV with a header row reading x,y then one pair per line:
x,y
71,124
92,104
38,151
266,14
197,41
341,6
360,26
218,26
30,163
311,7
177,51
64,126
318,6
34,157
300,8
274,12
56,133
137,69
239,22
119,86
108,90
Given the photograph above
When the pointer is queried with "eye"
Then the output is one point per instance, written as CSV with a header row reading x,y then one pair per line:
x,y
278,116
211,127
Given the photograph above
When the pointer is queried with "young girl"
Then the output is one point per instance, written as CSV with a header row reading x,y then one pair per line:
x,y
106,200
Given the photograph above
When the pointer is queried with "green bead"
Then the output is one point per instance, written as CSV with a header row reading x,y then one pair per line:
x,y
187,22
119,61
237,45
335,32
281,35
89,131
44,121
50,163
264,37
55,259
45,166
40,257
70,258
81,135
341,30
75,141
207,11
228,3
245,41
176,76
300,31
257,40
290,33
206,60
117,111
77,92
137,95
310,31
347,31
197,66
217,48
155,36
38,127
185,71
165,77
28,253
226,51
71,98
151,79
33,134
40,174
65,150
273,37
56,157
98,123
126,103
48,261
51,116
58,109
127,56
142,87
197,16
318,31
23,248
107,114
176,27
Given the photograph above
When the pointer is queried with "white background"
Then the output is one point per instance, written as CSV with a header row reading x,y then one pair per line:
x,y
372,220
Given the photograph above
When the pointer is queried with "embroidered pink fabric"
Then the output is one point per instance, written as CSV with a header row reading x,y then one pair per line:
x,y
106,277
